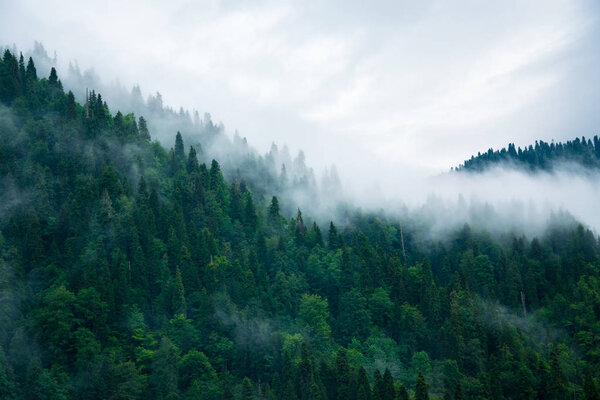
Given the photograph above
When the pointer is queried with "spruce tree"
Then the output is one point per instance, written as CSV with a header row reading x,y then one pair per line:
x,y
71,110
192,162
342,375
179,150
421,392
143,129
402,393
377,385
363,385
247,389
179,304
333,236
388,390
30,73
274,208
590,388
53,79
458,393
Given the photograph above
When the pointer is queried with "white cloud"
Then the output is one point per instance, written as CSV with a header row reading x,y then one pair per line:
x,y
428,83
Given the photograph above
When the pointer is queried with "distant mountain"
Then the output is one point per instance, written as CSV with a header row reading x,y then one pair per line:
x,y
542,156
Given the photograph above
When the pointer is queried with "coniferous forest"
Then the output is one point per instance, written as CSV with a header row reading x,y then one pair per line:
x,y
133,271
541,156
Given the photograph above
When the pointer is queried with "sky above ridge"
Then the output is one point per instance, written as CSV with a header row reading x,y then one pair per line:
x,y
391,86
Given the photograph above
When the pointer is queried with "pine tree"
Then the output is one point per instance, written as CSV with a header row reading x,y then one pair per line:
x,y
299,229
192,162
179,304
333,237
590,388
179,150
143,129
421,392
163,379
388,390
317,236
9,82
363,385
458,393
306,378
227,394
30,73
247,389
289,391
53,79
402,393
71,111
342,375
557,379
274,208
377,385
21,76
250,217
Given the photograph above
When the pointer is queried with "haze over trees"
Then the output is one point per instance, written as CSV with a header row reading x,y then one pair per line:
x,y
541,156
129,270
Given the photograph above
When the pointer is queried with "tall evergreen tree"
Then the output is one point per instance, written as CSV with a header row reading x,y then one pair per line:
x,y
421,391
247,389
143,129
388,389
274,208
590,388
402,393
71,111
179,150
342,375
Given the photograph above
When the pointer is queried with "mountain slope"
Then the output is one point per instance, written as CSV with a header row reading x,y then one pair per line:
x,y
129,271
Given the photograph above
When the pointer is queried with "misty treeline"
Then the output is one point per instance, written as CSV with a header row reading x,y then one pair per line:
x,y
277,171
542,156
129,271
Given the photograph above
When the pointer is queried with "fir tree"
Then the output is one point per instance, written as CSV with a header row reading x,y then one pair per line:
x,y
421,391
143,129
179,150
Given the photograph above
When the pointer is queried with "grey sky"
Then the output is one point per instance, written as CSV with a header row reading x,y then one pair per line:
x,y
374,85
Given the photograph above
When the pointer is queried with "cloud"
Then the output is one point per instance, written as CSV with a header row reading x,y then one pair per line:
x,y
394,79
391,92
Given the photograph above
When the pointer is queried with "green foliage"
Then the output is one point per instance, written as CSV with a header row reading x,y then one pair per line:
x,y
541,156
313,314
128,272
421,388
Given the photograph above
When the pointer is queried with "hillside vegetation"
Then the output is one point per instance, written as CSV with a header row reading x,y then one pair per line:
x,y
133,271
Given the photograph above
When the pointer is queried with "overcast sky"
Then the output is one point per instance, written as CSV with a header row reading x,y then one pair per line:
x,y
374,84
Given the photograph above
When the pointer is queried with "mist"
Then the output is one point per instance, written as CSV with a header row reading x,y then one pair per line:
x,y
501,199
409,84
365,108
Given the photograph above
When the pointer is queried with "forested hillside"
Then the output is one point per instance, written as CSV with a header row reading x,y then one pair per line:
x,y
542,156
132,271
275,171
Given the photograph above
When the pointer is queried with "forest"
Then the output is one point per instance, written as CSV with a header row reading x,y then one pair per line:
x,y
542,156
133,271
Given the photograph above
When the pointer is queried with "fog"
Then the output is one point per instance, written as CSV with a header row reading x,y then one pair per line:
x,y
393,95
425,83
502,198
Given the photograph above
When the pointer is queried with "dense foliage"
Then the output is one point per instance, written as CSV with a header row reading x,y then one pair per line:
x,y
129,271
541,156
